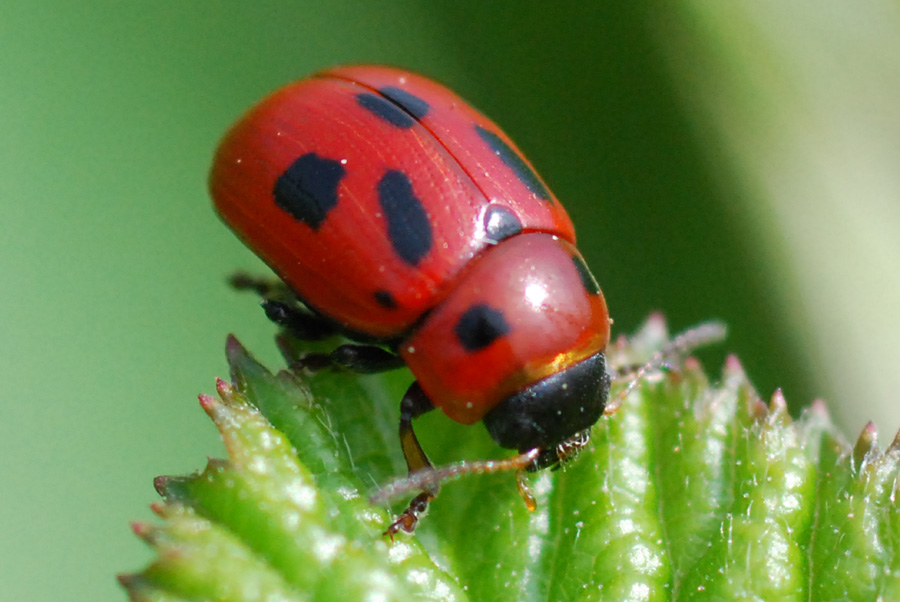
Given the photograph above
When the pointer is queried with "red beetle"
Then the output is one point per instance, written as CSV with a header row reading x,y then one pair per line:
x,y
406,220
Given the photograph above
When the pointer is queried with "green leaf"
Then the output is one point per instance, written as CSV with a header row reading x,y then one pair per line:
x,y
689,492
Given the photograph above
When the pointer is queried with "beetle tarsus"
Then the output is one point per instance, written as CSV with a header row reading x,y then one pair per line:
x,y
366,359
409,518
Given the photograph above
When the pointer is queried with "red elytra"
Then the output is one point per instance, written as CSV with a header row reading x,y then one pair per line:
x,y
453,172
399,213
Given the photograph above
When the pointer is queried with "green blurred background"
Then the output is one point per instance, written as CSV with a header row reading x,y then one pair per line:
x,y
719,161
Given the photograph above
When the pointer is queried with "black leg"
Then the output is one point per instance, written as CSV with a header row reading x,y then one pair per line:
x,y
362,359
281,306
415,403
366,359
299,322
264,287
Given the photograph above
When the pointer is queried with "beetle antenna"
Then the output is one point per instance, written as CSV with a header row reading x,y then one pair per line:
x,y
701,335
429,477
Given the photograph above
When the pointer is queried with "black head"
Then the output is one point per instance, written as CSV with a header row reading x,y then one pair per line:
x,y
554,414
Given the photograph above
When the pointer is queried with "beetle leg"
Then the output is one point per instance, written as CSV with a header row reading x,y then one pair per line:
x,y
366,359
361,359
298,321
282,308
525,490
415,403
698,336
267,288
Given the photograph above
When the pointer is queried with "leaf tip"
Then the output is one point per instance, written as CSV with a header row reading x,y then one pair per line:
x,y
128,580
161,485
692,364
655,321
894,447
733,367
224,388
819,409
144,531
866,444
778,407
124,579
233,347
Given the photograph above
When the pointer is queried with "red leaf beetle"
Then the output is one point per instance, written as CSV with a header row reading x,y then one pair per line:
x,y
406,220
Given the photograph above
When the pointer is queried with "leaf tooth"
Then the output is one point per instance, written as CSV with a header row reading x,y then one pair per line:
x,y
694,377
820,408
656,321
145,531
759,409
777,414
692,364
138,587
161,485
894,447
814,420
176,489
866,447
208,402
750,407
226,393
241,364
777,404
169,487
233,347
814,429
733,368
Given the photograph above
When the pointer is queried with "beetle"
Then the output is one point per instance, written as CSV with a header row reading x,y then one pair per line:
x,y
409,222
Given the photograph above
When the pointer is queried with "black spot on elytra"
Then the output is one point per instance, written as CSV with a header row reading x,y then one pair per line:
x,y
385,299
383,108
408,227
480,326
412,104
587,279
515,162
308,188
500,223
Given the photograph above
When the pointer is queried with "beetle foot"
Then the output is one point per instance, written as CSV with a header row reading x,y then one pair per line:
x,y
409,518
